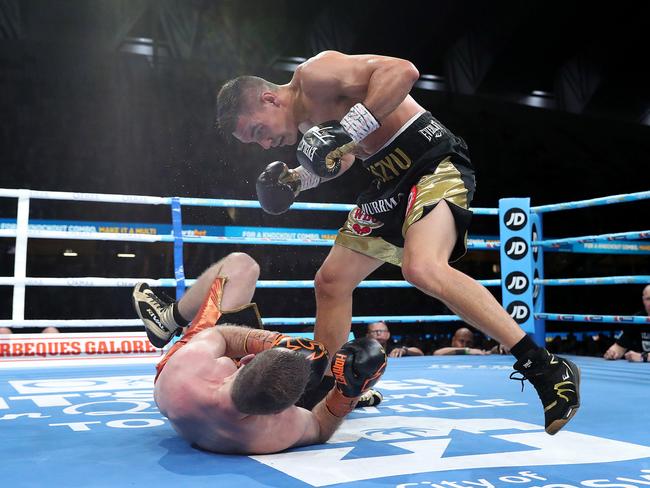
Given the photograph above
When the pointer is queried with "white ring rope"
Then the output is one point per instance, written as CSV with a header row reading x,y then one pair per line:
x,y
198,202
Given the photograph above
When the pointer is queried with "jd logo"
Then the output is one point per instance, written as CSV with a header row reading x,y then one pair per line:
x,y
516,282
519,311
394,446
515,219
516,248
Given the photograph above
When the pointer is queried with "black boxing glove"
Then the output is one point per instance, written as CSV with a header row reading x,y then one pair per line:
x,y
277,187
321,148
357,366
314,351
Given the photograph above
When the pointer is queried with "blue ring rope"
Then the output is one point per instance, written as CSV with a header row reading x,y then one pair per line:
x,y
364,319
363,284
169,282
487,245
336,207
606,280
618,236
625,197
605,319
178,240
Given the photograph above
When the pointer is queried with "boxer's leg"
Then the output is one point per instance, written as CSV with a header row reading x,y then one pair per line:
x,y
237,270
338,276
238,273
241,273
428,245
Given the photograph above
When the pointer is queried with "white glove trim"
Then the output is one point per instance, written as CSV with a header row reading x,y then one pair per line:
x,y
307,180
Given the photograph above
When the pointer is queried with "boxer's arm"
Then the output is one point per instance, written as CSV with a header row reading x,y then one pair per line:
x,y
374,86
356,367
234,341
318,425
381,83
293,427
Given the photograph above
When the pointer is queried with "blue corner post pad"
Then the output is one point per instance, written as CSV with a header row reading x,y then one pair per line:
x,y
177,232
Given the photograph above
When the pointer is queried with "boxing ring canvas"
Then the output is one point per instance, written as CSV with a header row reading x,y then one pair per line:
x,y
72,416
447,422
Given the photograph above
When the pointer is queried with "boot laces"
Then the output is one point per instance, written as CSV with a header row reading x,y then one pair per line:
x,y
521,378
158,303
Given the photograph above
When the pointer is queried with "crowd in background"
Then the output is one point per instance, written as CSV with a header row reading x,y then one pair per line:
x,y
595,343
631,343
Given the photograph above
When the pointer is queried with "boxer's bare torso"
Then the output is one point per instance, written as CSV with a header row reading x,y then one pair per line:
x,y
193,392
330,83
324,88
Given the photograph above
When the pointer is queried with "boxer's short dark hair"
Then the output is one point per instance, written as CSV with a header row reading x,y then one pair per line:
x,y
235,97
273,381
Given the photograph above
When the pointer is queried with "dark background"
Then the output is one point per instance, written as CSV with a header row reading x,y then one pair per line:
x,y
117,96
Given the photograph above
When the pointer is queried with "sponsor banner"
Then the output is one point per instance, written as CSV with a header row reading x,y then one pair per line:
x,y
604,247
279,233
517,260
31,347
166,229
98,226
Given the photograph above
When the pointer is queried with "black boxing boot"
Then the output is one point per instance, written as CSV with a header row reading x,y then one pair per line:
x,y
557,381
161,319
371,398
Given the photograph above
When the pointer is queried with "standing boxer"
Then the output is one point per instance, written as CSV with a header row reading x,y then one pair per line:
x,y
415,212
